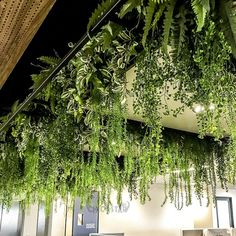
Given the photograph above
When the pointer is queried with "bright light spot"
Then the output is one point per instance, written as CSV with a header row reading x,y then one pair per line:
x,y
198,108
212,107
123,101
191,169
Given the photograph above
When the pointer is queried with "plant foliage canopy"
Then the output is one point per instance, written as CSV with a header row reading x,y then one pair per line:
x,y
77,136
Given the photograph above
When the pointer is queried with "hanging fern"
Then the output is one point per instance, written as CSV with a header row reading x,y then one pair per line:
x,y
150,10
201,8
179,31
228,25
158,15
167,23
129,6
50,61
99,11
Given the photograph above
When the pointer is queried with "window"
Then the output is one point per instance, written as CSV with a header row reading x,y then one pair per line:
x,y
11,220
224,212
42,223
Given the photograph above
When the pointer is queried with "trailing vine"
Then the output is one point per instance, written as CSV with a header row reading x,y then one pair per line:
x,y
76,137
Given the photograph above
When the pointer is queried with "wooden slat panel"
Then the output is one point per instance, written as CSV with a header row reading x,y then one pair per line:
x,y
19,21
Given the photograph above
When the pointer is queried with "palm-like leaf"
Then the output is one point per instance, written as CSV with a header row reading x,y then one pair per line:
x,y
201,9
228,22
167,23
179,30
158,15
148,19
129,6
99,11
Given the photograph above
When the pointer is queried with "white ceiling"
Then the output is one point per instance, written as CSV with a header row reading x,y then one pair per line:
x,y
186,121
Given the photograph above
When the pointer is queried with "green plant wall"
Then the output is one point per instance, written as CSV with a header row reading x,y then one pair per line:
x,y
76,138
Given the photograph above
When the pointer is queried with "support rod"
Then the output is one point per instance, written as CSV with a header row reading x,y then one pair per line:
x,y
84,39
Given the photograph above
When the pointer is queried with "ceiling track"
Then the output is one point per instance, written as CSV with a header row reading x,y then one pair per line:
x,y
64,61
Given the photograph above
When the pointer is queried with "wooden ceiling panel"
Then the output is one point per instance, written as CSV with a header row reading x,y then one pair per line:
x,y
19,21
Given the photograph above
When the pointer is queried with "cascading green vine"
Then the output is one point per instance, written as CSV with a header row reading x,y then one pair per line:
x,y
76,137
60,166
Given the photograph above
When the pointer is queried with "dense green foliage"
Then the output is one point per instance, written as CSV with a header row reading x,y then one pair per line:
x,y
77,138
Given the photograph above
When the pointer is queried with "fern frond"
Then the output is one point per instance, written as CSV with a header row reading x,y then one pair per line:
x,y
201,8
158,15
129,6
228,25
98,12
167,23
150,10
51,61
38,79
14,106
179,31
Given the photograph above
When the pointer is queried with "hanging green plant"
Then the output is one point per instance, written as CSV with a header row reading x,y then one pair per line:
x,y
76,137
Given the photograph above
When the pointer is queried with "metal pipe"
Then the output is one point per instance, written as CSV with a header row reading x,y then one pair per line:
x,y
84,39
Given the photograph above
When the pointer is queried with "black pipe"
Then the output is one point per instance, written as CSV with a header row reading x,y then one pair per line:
x,y
84,39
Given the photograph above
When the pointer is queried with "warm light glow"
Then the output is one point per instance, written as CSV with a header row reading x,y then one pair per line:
x,y
212,107
198,108
200,212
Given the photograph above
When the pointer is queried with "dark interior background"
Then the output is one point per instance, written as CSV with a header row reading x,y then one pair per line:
x,y
66,22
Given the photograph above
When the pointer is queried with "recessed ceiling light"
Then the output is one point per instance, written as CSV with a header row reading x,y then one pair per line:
x,y
198,108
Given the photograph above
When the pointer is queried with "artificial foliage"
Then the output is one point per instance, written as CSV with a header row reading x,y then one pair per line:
x,y
77,136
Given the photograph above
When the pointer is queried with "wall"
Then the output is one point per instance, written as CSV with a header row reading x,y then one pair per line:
x,y
203,216
139,220
30,221
152,219
56,221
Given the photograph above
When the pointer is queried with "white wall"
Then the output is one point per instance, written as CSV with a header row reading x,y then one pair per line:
x,y
30,221
57,219
139,220
152,219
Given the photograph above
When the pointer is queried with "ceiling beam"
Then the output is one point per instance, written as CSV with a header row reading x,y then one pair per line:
x,y
20,20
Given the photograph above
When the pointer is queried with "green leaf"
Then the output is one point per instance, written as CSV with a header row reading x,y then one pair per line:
x,y
52,61
148,19
167,23
14,106
129,6
228,25
99,12
109,33
200,8
108,27
179,30
158,15
38,79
